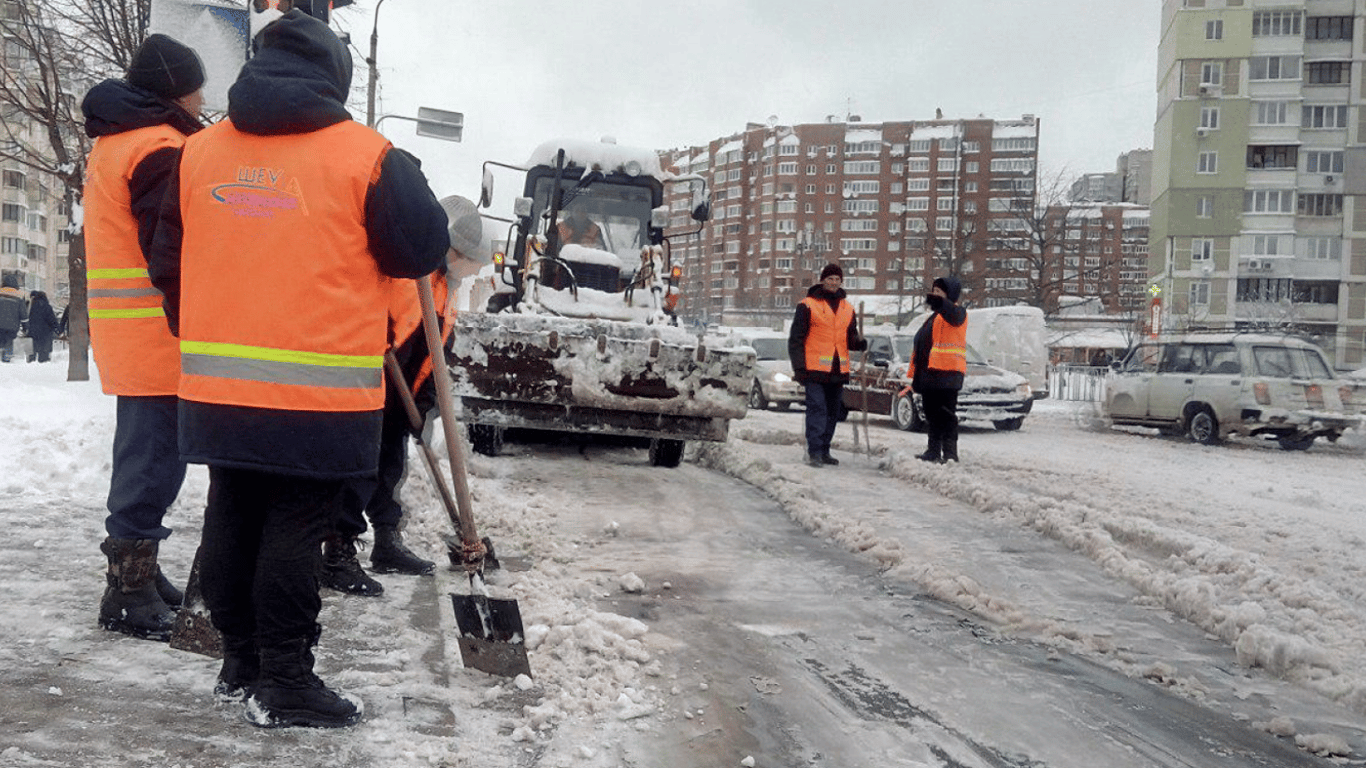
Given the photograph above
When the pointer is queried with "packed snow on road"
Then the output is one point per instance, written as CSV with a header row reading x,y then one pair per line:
x,y
1227,579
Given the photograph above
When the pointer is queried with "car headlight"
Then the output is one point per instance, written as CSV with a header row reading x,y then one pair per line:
x,y
781,378
1025,390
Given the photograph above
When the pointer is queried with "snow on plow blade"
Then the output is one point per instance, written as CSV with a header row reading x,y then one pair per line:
x,y
546,372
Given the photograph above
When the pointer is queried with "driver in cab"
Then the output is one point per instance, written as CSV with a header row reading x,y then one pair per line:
x,y
577,229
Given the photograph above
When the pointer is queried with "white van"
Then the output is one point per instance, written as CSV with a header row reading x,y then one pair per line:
x,y
1013,338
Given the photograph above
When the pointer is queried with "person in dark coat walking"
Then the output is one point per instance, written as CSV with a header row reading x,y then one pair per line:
x,y
939,364
13,314
42,326
274,249
823,334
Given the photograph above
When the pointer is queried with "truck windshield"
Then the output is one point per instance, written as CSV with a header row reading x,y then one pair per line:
x,y
620,211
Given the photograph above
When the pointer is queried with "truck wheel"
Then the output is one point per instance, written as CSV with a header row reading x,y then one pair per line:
x,y
1008,425
665,452
1296,442
1203,427
756,398
486,439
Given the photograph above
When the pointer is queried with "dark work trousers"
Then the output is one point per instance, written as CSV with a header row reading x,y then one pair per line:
x,y
941,421
822,415
147,470
377,497
261,551
42,348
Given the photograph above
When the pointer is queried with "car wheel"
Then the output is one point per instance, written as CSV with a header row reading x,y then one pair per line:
x,y
1203,427
486,439
1008,425
756,398
665,452
1296,442
903,412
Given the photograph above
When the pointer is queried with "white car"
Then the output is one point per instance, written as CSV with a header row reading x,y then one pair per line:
x,y
1213,385
773,383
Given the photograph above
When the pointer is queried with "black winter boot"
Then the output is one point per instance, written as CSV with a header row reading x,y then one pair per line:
x,y
391,556
131,604
240,671
342,571
170,595
950,448
289,694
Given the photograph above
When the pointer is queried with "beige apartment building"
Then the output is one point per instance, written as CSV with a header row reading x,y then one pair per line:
x,y
1259,170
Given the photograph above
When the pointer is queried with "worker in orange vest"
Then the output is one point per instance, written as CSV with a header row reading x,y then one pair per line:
x,y
139,124
276,247
377,498
823,334
939,362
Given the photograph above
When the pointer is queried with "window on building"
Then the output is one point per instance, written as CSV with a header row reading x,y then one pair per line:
x,y
1209,117
1202,250
1011,165
1207,162
918,165
787,168
1327,72
1259,289
1328,28
860,206
948,164
14,179
1204,207
1319,161
862,166
1269,201
1212,73
1321,248
12,212
862,187
944,204
1320,205
1271,112
1277,23
1273,68
1214,29
918,146
1269,245
1273,156
917,203
1324,116
943,224
1199,293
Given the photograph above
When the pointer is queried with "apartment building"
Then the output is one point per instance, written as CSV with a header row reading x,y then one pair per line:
x,y
1259,170
33,216
895,203
1130,181
1102,254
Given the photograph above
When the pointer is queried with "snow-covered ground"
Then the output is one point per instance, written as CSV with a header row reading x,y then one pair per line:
x,y
1257,548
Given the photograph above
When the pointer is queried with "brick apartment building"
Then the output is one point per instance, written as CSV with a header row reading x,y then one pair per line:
x,y
895,203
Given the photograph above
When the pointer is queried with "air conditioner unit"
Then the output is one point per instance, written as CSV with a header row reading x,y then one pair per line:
x,y
1202,132
1329,179
1259,265
1211,91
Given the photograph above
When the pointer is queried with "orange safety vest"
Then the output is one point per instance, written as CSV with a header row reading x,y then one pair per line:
x,y
949,346
405,317
828,335
134,349
279,290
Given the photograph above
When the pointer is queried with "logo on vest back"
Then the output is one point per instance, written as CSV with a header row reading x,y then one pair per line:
x,y
260,192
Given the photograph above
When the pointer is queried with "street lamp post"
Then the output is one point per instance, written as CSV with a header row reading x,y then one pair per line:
x,y
374,69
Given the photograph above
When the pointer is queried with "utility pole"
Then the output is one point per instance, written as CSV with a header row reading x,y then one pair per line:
x,y
371,61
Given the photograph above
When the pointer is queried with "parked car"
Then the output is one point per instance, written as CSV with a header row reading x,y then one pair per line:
x,y
773,383
989,393
1210,386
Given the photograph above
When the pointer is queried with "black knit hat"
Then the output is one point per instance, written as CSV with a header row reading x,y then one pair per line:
x,y
165,67
832,269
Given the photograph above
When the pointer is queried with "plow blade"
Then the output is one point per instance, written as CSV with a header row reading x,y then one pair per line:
x,y
610,377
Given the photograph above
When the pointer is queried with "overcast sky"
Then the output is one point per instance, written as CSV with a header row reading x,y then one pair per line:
x,y
669,74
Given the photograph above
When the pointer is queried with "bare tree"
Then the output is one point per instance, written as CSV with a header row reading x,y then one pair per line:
x,y
54,51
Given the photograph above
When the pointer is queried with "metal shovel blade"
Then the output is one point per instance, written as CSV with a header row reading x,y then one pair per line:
x,y
194,632
491,635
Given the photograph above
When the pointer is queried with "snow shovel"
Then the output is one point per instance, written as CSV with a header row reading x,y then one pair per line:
x,y
863,369
193,631
491,639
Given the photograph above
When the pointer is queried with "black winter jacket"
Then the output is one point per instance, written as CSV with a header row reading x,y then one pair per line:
x,y
42,321
297,83
801,326
926,377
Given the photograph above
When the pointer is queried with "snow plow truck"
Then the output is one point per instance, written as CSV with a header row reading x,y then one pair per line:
x,y
577,331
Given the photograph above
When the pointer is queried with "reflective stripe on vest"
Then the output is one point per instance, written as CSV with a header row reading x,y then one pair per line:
x,y
828,335
132,345
279,289
281,366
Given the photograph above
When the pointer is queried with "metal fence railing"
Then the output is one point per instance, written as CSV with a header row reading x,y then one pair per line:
x,y
1085,383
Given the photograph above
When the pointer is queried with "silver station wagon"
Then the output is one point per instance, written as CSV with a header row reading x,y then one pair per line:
x,y
1212,385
